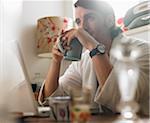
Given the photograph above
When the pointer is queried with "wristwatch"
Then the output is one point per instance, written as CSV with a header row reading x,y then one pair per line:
x,y
100,49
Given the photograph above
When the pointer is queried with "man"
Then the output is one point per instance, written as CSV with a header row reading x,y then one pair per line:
x,y
96,31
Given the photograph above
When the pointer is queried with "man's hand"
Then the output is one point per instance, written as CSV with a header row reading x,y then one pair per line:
x,y
56,54
83,36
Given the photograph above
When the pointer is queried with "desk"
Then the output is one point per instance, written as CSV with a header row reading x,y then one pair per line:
x,y
94,119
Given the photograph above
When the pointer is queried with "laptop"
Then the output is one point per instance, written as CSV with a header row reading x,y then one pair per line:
x,y
18,91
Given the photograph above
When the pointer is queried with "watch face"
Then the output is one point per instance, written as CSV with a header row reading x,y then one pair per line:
x,y
101,48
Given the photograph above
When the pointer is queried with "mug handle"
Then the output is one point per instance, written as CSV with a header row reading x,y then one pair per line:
x,y
60,46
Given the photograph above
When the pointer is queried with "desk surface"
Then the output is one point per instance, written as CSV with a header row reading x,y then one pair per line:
x,y
94,119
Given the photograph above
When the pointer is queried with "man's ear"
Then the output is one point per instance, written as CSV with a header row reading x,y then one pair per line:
x,y
109,21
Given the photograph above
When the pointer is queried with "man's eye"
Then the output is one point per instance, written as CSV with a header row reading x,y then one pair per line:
x,y
90,17
78,21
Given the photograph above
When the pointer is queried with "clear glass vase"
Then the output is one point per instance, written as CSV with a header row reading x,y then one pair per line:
x,y
127,71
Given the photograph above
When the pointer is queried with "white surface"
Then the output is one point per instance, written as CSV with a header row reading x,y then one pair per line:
x,y
121,6
44,109
142,32
10,12
18,93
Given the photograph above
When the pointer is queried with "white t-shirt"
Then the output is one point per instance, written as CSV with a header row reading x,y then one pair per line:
x,y
81,73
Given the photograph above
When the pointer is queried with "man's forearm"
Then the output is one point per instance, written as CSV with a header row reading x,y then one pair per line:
x,y
52,78
102,67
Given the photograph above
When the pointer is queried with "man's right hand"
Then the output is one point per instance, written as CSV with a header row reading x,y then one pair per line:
x,y
56,53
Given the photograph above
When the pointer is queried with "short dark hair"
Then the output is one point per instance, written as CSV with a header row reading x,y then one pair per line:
x,y
97,5
102,8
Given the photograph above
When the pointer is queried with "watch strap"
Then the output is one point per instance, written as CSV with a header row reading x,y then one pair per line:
x,y
95,51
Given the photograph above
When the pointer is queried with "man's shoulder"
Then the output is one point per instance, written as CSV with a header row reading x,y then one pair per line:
x,y
130,40
138,46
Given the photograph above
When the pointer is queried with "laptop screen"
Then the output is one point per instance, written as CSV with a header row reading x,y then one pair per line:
x,y
17,91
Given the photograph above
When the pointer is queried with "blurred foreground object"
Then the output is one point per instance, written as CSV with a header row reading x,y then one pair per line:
x,y
127,72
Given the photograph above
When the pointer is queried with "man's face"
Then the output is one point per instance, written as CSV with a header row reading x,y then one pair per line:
x,y
90,21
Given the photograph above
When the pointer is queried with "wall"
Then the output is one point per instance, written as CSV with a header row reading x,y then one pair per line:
x,y
33,10
10,14
10,74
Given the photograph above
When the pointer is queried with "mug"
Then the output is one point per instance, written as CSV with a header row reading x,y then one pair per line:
x,y
60,107
74,54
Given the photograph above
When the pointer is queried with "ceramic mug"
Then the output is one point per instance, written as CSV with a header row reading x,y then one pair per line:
x,y
60,107
74,54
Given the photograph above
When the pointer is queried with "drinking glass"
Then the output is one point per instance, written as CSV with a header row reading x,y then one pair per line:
x,y
127,71
80,106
